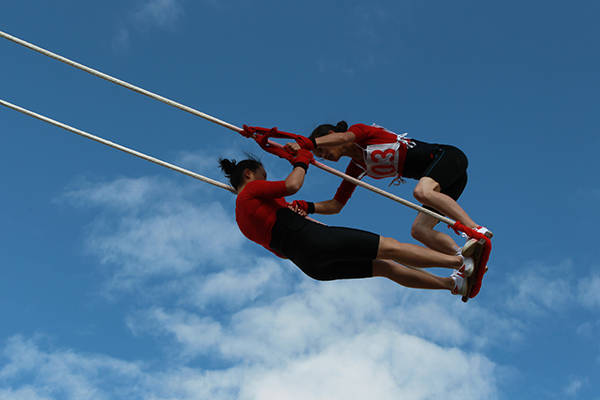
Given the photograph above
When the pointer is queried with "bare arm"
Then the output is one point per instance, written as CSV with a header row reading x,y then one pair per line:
x,y
336,138
328,207
333,139
295,180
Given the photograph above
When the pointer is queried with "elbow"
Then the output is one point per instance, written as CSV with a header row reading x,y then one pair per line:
x,y
292,187
348,137
336,207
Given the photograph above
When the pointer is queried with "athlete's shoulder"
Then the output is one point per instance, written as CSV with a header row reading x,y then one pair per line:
x,y
360,128
249,189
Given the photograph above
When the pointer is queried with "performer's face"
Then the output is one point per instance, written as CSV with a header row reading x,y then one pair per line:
x,y
331,153
260,174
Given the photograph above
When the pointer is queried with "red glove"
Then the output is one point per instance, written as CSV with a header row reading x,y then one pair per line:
x,y
302,207
302,159
306,143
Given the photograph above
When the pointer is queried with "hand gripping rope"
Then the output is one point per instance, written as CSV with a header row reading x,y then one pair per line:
x,y
261,135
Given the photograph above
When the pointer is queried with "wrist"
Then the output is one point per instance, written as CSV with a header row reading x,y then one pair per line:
x,y
310,209
301,165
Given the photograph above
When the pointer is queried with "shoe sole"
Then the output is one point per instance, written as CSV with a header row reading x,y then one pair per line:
x,y
477,252
469,248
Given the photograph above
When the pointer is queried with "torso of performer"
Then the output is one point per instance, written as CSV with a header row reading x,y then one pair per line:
x,y
386,154
322,252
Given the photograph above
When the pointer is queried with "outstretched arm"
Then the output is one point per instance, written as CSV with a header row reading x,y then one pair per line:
x,y
328,207
332,139
335,138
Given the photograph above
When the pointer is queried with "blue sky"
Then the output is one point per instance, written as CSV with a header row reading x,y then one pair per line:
x,y
122,279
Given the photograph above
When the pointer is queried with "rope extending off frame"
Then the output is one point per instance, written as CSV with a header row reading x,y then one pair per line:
x,y
117,146
216,121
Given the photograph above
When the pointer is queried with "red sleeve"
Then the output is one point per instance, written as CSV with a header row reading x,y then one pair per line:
x,y
370,134
266,189
346,188
362,133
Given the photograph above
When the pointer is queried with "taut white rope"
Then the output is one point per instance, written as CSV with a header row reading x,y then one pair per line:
x,y
118,81
116,146
215,120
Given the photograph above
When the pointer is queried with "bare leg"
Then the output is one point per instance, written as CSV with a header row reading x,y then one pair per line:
x,y
415,256
427,192
409,277
422,230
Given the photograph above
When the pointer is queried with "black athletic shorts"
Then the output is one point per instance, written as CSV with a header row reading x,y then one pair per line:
x,y
447,165
324,252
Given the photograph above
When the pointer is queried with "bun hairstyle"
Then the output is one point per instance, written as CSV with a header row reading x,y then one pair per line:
x,y
234,171
324,129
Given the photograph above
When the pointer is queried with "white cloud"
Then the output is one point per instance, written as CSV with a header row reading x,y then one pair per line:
x,y
382,364
589,291
540,288
150,227
123,192
573,387
121,39
201,161
160,13
177,239
23,393
61,373
234,287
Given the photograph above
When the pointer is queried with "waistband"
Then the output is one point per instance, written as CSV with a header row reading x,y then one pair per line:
x,y
286,224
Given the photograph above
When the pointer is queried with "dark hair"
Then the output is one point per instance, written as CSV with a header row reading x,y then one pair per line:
x,y
234,171
324,129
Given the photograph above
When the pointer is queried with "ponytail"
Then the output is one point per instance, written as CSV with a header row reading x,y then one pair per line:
x,y
234,171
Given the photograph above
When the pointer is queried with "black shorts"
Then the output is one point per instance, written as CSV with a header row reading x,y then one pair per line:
x,y
324,252
447,165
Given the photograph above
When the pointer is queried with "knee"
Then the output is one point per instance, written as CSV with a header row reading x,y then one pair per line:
x,y
425,193
386,247
421,194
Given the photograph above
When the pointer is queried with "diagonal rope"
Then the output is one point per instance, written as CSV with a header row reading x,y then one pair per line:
x,y
116,146
135,153
216,121
118,81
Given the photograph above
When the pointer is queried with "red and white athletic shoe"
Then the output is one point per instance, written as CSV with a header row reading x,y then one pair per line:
x,y
469,247
468,267
485,231
460,282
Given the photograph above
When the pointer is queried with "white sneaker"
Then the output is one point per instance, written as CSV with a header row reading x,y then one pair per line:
x,y
468,266
460,282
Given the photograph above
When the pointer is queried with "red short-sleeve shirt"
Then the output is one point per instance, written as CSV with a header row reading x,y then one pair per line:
x,y
365,135
256,210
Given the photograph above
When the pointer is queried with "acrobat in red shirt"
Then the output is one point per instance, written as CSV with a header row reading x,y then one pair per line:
x,y
256,210
384,153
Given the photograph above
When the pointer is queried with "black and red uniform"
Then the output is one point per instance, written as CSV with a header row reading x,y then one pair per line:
x,y
387,154
320,251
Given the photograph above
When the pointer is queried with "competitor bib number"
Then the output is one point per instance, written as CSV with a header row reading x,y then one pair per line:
x,y
382,160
